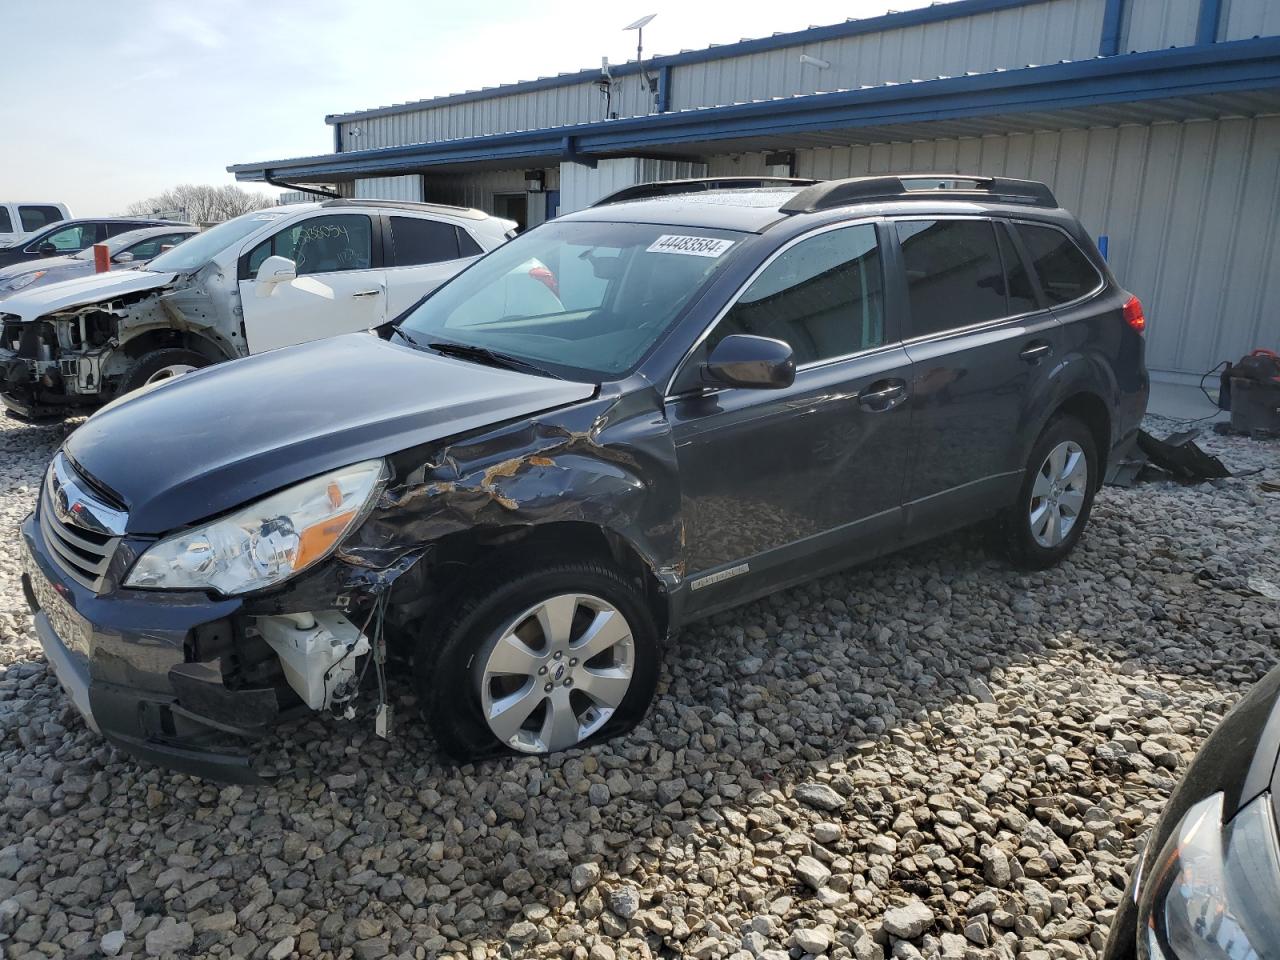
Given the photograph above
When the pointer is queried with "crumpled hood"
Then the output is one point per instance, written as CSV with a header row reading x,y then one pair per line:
x,y
212,440
36,302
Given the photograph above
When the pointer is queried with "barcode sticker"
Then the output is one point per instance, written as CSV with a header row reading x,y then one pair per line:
x,y
690,246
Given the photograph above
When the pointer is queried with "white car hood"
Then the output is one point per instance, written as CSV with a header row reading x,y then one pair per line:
x,y
80,291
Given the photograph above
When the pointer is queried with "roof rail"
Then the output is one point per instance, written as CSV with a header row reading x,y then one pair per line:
x,y
919,186
444,208
667,188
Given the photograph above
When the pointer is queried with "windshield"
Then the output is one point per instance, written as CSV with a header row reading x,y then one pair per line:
x,y
200,249
588,298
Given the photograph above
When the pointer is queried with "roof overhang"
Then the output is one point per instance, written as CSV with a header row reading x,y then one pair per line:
x,y
1240,78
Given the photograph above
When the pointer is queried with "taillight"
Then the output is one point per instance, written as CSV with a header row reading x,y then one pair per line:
x,y
1133,314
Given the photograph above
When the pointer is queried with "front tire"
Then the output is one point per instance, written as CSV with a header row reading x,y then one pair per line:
x,y
1055,499
538,660
160,365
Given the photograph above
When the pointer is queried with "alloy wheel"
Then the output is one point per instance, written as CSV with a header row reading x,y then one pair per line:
x,y
169,372
1058,494
555,674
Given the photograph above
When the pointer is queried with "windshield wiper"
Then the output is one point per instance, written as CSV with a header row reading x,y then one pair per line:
x,y
408,339
493,358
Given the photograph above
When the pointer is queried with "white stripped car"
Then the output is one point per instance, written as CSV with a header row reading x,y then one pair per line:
x,y
267,279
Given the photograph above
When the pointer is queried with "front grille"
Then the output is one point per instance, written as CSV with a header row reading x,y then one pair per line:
x,y
83,553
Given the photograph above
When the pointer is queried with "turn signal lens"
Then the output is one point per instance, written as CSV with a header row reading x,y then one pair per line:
x,y
1133,314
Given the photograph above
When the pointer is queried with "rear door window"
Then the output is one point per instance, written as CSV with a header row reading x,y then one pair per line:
x,y
954,274
1022,293
35,216
824,297
1065,272
417,241
6,223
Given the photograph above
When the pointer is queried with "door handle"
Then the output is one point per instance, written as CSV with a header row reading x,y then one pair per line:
x,y
366,293
1036,352
882,395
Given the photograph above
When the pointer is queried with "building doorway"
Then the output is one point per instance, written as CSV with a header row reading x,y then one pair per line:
x,y
512,206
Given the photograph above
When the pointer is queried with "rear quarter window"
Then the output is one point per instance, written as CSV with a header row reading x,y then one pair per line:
x,y
1065,272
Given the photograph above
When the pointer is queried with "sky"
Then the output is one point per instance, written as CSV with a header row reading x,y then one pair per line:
x,y
128,98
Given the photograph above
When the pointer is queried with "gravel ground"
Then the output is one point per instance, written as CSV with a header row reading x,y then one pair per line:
x,y
934,757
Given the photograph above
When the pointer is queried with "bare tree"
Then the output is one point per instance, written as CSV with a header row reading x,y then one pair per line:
x,y
201,203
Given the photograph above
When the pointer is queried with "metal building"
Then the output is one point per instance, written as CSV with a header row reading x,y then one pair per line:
x,y
1156,121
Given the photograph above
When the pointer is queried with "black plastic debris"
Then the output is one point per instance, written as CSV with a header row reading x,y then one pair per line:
x,y
1179,456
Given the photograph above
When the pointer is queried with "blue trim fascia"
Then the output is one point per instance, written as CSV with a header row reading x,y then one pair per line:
x,y
1112,25
664,88
1207,23
1155,74
939,12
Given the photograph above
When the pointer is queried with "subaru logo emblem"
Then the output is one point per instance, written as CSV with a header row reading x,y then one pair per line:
x,y
558,674
61,504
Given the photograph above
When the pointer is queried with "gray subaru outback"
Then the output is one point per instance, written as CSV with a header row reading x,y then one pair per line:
x,y
685,397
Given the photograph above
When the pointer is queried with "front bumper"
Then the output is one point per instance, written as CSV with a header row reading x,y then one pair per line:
x,y
127,662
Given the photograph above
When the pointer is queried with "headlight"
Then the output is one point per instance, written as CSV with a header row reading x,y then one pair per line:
x,y
265,543
1211,892
26,280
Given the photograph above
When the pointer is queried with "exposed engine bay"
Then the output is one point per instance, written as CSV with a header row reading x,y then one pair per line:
x,y
84,355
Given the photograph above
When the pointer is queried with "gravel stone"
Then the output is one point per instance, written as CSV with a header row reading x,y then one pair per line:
x,y
907,921
813,761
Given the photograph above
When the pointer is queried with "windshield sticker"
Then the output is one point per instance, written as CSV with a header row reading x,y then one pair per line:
x,y
268,216
690,246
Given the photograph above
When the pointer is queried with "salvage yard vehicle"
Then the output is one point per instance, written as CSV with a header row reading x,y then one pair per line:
x,y
1207,882
266,279
704,397
124,250
21,217
65,237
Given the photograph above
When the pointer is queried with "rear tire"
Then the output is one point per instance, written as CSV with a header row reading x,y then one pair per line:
x,y
160,365
1055,498
501,678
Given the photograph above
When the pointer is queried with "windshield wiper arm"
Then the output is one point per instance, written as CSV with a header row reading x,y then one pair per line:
x,y
407,339
493,358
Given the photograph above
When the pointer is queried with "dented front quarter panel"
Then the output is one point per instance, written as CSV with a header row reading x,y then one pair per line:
x,y
609,462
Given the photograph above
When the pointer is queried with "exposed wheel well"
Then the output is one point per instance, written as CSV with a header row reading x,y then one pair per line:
x,y
433,584
1092,411
166,339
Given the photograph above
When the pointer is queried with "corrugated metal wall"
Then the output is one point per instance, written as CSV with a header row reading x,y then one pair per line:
x,y
408,187
1242,19
1039,33
1157,24
1042,33
582,186
1190,210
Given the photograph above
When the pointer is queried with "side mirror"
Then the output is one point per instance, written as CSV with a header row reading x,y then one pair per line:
x,y
125,257
275,270
47,249
740,360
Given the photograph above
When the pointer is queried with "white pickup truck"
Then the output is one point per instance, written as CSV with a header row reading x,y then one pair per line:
x,y
263,280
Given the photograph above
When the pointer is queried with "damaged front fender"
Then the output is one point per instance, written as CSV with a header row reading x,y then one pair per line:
x,y
609,463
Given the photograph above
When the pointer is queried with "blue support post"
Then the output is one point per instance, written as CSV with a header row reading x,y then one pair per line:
x,y
664,88
1112,24
1207,23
